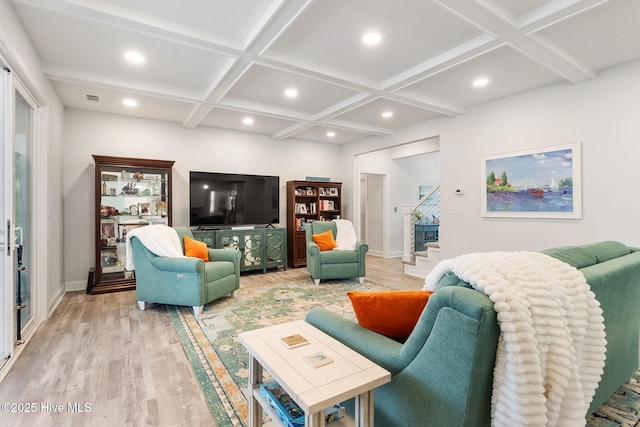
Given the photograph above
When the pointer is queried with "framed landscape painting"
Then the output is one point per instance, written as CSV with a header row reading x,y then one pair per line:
x,y
537,183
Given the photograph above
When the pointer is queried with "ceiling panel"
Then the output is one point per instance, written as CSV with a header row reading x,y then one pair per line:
x,y
229,119
75,96
371,114
89,47
234,20
519,7
508,71
328,35
340,136
600,37
265,85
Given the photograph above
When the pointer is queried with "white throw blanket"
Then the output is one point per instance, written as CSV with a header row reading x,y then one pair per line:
x,y
551,349
345,235
160,239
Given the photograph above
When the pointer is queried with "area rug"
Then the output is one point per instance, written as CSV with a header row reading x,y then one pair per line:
x,y
220,362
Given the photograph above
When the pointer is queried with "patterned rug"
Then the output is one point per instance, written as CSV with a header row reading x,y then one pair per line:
x,y
220,362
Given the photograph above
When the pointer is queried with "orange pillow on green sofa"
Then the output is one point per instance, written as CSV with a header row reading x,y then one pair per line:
x,y
325,241
196,249
393,314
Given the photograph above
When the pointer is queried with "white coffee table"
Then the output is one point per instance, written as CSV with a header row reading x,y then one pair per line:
x,y
314,389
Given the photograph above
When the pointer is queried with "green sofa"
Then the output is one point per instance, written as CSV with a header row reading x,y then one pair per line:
x,y
333,264
443,373
184,281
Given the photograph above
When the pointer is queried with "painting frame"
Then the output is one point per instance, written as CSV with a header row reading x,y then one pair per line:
x,y
543,182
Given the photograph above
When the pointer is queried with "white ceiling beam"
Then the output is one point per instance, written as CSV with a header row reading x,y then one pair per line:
x,y
554,59
109,82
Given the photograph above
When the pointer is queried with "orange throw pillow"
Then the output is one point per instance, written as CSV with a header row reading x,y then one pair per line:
x,y
196,249
393,314
325,241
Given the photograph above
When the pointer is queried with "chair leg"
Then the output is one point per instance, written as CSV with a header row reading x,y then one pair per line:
x,y
361,280
142,305
232,294
316,281
197,310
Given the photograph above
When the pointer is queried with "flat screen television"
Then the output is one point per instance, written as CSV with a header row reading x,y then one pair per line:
x,y
220,200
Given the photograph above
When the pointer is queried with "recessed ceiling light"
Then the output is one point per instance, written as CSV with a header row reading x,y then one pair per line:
x,y
247,121
372,38
134,57
130,102
387,114
291,92
331,134
481,82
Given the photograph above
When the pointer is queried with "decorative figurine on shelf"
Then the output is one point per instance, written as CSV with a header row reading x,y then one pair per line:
x,y
138,176
130,189
161,207
106,211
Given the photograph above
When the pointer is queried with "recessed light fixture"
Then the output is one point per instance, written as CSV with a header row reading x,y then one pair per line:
x,y
387,114
331,134
247,121
291,92
481,82
130,102
134,57
205,186
372,38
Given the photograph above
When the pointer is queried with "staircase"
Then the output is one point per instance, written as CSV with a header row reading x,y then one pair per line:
x,y
421,257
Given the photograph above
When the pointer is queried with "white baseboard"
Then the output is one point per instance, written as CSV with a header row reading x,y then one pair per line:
x,y
77,285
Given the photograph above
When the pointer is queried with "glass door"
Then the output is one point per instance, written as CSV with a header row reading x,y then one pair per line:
x,y
23,123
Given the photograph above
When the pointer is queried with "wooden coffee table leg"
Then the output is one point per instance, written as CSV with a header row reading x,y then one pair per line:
x,y
315,420
255,378
364,409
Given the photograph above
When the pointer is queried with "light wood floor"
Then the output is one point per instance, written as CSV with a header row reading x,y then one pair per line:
x,y
127,365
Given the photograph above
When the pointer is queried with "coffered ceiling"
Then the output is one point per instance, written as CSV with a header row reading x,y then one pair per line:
x,y
218,62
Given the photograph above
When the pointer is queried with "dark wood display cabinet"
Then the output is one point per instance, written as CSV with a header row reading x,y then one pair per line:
x,y
129,193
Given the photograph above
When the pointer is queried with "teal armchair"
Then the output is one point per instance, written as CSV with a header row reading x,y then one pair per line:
x,y
335,264
184,281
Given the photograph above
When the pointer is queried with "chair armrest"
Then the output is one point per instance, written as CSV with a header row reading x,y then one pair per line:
x,y
362,248
375,347
313,248
182,265
224,255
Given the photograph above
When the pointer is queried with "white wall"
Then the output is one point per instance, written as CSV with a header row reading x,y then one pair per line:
x,y
602,114
201,149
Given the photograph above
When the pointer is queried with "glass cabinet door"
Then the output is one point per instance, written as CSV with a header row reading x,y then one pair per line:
x,y
129,194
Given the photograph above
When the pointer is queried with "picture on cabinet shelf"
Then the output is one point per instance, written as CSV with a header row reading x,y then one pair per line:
x,y
109,176
144,209
333,191
107,229
321,190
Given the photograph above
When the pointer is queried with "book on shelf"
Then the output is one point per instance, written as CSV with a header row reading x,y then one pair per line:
x,y
293,341
317,359
288,410
284,406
